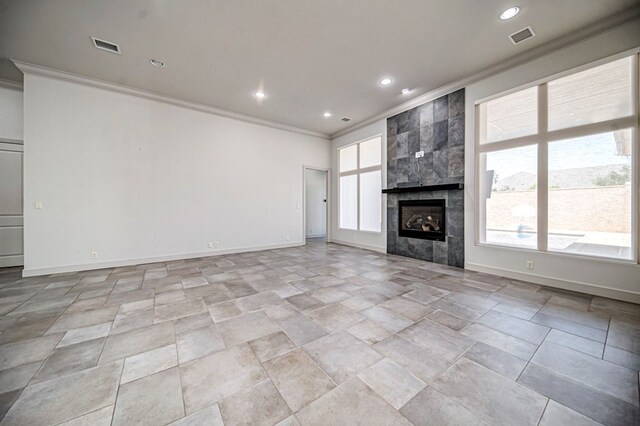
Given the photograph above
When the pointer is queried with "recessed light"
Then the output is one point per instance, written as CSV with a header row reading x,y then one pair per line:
x,y
509,13
260,94
326,114
386,81
406,91
156,63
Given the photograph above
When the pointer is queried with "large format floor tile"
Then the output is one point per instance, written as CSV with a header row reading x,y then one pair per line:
x,y
319,334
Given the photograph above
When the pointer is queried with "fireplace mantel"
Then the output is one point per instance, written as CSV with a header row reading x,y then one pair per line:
x,y
424,188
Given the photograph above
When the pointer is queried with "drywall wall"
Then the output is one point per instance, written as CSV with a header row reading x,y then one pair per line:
x,y
316,206
602,277
370,240
10,114
138,180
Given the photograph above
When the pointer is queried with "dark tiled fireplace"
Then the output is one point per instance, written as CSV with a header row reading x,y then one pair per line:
x,y
425,170
422,219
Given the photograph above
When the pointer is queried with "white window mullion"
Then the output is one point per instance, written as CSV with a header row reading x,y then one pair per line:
x,y
543,168
358,184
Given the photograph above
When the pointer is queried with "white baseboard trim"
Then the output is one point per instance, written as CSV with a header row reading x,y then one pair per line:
x,y
8,261
34,272
316,235
359,245
593,289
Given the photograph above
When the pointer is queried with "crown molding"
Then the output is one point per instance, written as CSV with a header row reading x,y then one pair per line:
x,y
41,71
594,30
10,84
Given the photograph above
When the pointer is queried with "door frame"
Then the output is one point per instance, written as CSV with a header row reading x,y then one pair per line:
x,y
304,201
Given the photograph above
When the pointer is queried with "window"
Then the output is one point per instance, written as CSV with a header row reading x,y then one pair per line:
x,y
360,184
557,164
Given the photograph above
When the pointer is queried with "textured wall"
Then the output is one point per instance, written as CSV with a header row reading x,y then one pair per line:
x,y
437,128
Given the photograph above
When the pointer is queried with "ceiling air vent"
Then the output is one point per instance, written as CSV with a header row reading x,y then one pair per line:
x,y
522,35
106,45
345,119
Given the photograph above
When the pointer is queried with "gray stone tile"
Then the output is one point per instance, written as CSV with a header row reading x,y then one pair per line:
x,y
558,415
448,320
570,327
431,408
83,319
245,328
83,334
271,346
341,355
622,357
27,351
369,331
136,341
407,308
389,320
304,302
504,342
209,379
520,309
208,416
351,403
597,320
437,339
179,310
101,417
301,329
70,359
490,396
198,342
414,358
66,398
298,379
149,362
18,377
392,382
494,359
516,327
154,399
260,405
35,304
259,301
587,346
604,376
334,317
583,399
131,320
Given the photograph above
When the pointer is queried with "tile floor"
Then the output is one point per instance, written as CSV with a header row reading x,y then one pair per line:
x,y
321,334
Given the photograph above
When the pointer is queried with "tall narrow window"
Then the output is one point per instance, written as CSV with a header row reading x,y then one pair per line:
x,y
556,168
360,185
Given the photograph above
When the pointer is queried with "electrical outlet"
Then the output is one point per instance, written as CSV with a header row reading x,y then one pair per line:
x,y
216,244
419,154
38,205
288,237
210,244
530,264
94,254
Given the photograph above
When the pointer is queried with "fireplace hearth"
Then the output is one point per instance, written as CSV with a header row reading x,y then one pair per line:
x,y
424,219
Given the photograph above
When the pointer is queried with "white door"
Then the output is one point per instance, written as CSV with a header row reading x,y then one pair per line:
x,y
11,253
316,203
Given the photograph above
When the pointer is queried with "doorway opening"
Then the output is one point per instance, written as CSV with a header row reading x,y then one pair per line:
x,y
316,204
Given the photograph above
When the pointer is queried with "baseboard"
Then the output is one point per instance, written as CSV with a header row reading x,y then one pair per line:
x,y
8,261
316,235
358,245
34,272
593,289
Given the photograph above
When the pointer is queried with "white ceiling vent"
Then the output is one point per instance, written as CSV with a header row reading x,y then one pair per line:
x,y
106,45
522,35
345,119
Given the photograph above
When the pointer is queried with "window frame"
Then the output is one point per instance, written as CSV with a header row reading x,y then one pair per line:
x,y
541,141
357,172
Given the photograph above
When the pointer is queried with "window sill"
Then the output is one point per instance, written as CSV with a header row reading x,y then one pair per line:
x,y
565,255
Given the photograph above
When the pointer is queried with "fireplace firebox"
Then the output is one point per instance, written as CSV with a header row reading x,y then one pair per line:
x,y
422,219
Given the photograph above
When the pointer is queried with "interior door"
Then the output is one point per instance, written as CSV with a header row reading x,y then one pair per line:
x,y
11,208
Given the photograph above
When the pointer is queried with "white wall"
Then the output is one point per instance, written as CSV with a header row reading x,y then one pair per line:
x,y
607,278
315,207
10,113
370,240
137,179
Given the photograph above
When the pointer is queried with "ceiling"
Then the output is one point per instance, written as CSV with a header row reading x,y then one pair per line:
x,y
309,56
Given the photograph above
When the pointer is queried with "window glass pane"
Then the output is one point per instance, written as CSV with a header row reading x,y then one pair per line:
x,y
598,94
349,202
590,195
512,116
509,190
348,158
371,201
371,152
